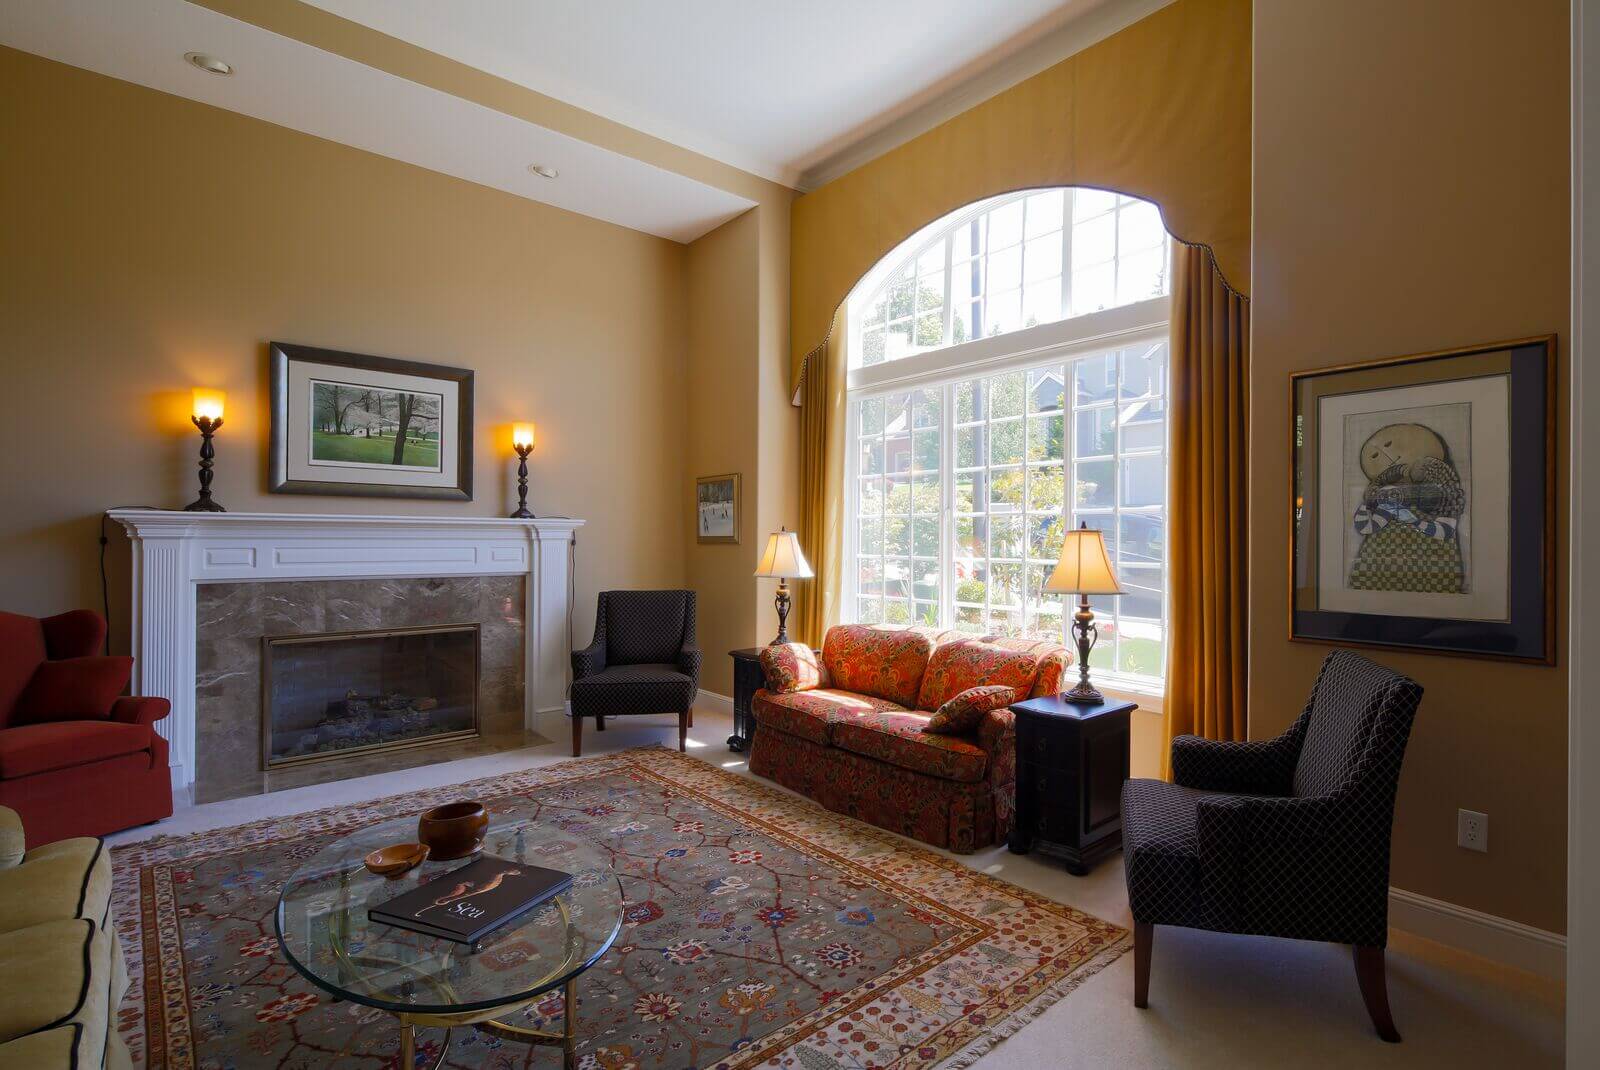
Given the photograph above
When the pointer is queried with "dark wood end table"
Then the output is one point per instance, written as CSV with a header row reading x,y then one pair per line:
x,y
1071,762
747,680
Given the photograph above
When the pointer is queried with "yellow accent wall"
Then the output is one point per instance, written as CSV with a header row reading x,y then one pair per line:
x,y
1411,194
1160,110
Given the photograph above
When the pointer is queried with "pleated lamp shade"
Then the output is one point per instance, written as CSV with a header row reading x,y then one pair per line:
x,y
1085,567
782,558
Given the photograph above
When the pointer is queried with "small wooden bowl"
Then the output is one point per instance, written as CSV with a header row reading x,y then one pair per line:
x,y
395,859
454,830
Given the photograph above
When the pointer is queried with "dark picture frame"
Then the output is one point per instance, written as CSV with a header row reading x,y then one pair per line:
x,y
717,504
1459,561
415,433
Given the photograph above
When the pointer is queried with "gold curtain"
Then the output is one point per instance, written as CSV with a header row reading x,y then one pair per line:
x,y
822,386
1206,521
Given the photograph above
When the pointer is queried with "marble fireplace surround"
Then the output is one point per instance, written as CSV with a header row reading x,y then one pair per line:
x,y
177,553
232,618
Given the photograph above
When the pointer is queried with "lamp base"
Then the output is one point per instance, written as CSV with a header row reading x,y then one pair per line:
x,y
203,505
1084,695
781,603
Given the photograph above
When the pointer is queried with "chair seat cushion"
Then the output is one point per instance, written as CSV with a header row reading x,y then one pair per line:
x,y
898,739
58,974
40,748
624,689
812,714
1161,848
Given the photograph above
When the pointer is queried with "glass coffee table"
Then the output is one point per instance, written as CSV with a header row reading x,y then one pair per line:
x,y
425,981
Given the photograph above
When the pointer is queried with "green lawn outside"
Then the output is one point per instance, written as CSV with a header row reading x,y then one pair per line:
x,y
328,446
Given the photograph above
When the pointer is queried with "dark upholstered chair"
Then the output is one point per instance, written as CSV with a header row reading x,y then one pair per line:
x,y
643,660
1280,837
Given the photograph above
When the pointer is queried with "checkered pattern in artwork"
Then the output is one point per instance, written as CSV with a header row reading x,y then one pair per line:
x,y
643,658
1283,837
1401,558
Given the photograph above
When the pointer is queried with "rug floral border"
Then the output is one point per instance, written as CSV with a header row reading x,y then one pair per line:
x,y
154,1017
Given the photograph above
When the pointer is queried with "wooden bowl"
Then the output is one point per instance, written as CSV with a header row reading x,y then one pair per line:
x,y
454,830
395,859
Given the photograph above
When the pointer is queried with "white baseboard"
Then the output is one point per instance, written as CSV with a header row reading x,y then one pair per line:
x,y
1498,939
710,700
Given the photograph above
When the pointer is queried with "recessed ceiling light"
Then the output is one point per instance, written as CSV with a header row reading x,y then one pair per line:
x,y
543,171
208,63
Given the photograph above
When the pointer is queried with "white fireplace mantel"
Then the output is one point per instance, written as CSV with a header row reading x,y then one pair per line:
x,y
174,552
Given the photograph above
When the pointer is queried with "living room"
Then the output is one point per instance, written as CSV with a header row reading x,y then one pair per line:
x,y
1037,534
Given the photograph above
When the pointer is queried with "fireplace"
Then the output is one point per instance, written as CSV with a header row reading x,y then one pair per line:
x,y
335,694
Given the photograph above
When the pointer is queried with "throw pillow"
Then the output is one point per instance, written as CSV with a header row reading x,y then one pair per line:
x,y
790,667
73,689
962,714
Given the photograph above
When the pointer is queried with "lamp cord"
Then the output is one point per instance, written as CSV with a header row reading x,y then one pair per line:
x,y
105,590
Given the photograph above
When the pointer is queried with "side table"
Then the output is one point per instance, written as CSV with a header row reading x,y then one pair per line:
x,y
747,680
1071,762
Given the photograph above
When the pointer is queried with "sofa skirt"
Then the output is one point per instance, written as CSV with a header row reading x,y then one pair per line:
x,y
961,817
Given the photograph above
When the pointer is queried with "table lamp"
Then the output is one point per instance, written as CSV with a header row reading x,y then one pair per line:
x,y
522,442
782,559
206,412
1084,569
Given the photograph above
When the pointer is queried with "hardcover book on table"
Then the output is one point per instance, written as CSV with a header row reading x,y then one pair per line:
x,y
468,903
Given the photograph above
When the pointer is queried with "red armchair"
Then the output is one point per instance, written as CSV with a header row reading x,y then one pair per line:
x,y
77,757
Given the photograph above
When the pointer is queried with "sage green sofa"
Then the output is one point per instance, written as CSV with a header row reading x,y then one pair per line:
x,y
62,974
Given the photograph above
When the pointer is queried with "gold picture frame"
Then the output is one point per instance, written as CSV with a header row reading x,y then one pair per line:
x,y
716,508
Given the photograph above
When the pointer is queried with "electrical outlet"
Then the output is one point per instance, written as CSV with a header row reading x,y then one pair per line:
x,y
1472,830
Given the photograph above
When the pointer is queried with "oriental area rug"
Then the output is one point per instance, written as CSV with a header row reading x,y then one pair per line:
x,y
758,930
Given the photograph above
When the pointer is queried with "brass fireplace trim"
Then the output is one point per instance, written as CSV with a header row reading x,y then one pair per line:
x,y
293,638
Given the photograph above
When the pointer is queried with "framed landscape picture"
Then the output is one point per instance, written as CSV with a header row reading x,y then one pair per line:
x,y
1423,505
344,423
717,508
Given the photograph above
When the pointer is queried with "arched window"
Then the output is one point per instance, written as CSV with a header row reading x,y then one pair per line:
x,y
1008,379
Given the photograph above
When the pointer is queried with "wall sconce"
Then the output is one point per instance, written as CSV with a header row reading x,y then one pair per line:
x,y
207,416
522,442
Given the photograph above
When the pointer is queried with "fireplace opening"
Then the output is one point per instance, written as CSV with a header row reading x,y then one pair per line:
x,y
341,693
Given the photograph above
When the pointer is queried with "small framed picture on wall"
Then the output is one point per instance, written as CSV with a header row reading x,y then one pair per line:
x,y
346,423
716,514
1423,505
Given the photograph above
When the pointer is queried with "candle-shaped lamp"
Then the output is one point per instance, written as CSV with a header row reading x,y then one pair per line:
x,y
206,412
522,442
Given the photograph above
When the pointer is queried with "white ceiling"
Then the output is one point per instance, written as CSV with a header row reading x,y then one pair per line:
x,y
292,84
775,87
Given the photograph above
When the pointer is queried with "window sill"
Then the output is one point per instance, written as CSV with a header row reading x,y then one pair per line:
x,y
1149,696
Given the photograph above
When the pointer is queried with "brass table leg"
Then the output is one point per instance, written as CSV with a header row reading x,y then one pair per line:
x,y
569,1027
408,1046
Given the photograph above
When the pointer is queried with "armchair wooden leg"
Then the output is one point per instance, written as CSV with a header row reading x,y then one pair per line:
x,y
1373,978
577,736
691,716
1144,935
599,724
683,730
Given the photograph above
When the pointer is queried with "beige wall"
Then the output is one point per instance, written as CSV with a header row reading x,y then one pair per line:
x,y
1410,194
152,244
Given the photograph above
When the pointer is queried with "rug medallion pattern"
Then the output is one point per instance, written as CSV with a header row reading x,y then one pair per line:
x,y
759,930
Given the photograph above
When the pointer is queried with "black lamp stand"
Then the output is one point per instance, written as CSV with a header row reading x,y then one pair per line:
x,y
1085,632
205,503
522,512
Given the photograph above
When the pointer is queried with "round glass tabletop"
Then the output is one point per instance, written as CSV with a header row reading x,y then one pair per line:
x,y
323,926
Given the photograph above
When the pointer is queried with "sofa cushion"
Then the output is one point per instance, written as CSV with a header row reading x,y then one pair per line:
x,y
790,667
73,689
59,974
872,661
1054,661
57,882
39,748
813,714
898,739
957,667
962,714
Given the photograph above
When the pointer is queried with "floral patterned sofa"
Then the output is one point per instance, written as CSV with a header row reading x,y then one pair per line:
x,y
851,737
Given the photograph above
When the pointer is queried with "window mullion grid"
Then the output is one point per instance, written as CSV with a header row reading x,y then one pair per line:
x,y
1069,470
1066,261
1115,549
947,493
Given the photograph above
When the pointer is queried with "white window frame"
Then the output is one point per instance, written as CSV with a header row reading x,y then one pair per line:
x,y
1066,340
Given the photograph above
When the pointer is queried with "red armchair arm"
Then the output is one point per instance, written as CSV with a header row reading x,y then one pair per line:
x,y
136,709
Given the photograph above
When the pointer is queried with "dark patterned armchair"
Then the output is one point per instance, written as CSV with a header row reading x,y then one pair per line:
x,y
643,660
1280,837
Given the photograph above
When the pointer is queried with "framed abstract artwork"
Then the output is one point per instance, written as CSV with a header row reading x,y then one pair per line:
x,y
345,423
716,512
1423,502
